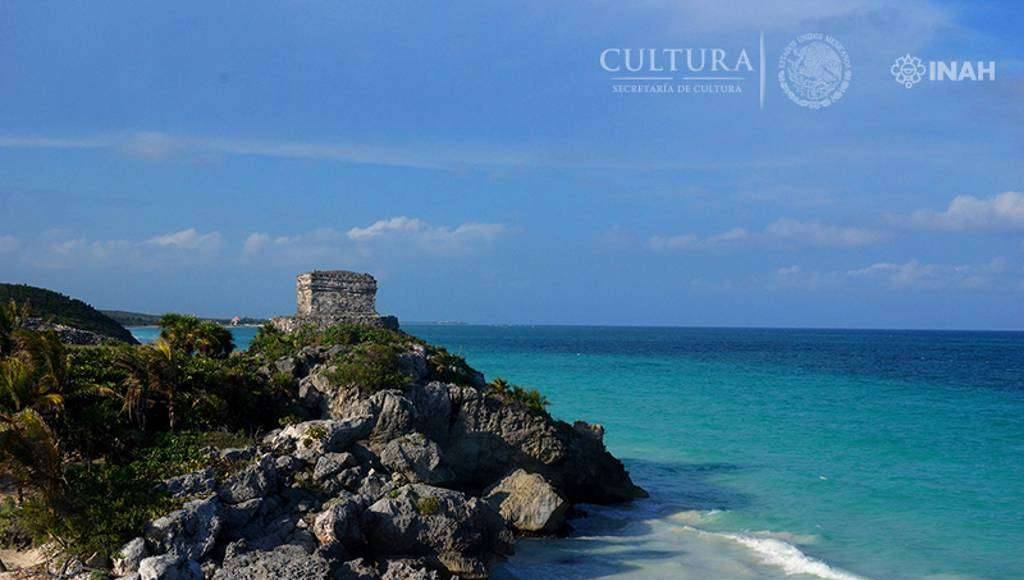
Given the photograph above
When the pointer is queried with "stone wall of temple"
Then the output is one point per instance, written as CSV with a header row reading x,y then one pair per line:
x,y
328,297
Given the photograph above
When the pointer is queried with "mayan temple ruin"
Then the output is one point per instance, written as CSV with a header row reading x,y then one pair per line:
x,y
328,297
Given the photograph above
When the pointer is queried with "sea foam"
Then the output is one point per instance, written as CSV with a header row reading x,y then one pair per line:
x,y
788,557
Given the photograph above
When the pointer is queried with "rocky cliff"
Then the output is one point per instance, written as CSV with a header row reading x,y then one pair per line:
x,y
428,479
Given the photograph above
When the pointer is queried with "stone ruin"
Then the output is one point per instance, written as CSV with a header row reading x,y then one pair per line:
x,y
329,297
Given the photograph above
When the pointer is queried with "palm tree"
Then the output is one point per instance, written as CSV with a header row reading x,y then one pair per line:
x,y
32,451
20,390
501,385
180,331
11,318
190,335
48,358
153,373
33,382
213,340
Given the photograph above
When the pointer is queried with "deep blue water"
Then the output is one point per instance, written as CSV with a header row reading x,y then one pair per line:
x,y
774,453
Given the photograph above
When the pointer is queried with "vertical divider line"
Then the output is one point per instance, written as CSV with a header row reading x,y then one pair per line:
x,y
762,70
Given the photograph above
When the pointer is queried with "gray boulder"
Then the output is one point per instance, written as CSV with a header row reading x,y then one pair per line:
x,y
373,486
417,458
330,464
490,437
529,503
195,483
433,408
396,415
339,523
190,532
312,439
128,558
236,454
413,362
409,570
450,529
254,481
358,569
281,563
169,567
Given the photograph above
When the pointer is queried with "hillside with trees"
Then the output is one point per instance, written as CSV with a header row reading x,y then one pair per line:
x,y
57,308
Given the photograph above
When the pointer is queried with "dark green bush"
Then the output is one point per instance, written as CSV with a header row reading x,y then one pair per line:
x,y
529,398
427,506
447,367
272,344
109,503
369,366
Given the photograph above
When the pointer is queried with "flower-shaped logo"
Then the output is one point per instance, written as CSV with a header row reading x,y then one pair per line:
x,y
908,70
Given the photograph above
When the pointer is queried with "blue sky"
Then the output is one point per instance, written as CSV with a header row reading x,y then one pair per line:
x,y
182,156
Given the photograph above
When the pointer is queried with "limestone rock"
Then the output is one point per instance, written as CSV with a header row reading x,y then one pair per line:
x,y
169,567
312,439
281,563
408,570
190,484
254,481
456,531
416,457
331,464
396,415
358,569
528,503
127,559
339,523
190,532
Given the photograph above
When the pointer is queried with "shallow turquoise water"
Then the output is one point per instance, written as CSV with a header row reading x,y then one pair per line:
x,y
772,453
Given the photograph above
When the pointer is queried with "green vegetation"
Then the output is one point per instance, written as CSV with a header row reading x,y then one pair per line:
x,y
86,433
449,368
189,335
369,366
274,344
529,398
427,506
58,308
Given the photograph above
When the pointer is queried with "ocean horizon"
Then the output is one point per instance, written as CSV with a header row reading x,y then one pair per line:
x,y
817,453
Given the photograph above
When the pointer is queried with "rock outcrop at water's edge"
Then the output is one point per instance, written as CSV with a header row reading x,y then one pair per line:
x,y
431,480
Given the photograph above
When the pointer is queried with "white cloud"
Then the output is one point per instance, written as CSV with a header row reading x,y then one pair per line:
x,y
818,234
62,250
157,146
324,246
189,239
678,242
382,228
968,213
398,236
996,274
812,233
423,236
255,243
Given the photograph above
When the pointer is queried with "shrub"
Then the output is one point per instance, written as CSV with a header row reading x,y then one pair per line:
x,y
427,505
109,503
529,398
190,335
273,344
370,366
447,367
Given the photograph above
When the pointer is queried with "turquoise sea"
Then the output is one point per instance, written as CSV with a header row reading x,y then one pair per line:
x,y
780,453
